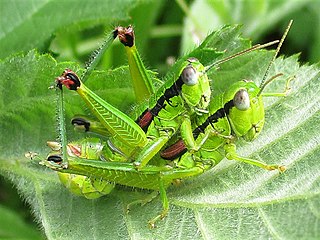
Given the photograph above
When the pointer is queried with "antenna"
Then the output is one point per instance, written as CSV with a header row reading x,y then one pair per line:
x,y
97,55
264,83
255,47
61,125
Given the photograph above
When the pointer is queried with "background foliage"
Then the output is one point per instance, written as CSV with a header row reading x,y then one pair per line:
x,y
238,203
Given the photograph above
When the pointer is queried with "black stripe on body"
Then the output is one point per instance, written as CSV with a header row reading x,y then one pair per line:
x,y
169,93
228,106
220,113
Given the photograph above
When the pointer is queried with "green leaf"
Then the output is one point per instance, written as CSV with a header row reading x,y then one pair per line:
x,y
259,18
12,227
34,22
231,201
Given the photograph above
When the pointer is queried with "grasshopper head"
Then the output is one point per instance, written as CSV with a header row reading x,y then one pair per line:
x,y
88,148
69,79
195,90
126,35
245,109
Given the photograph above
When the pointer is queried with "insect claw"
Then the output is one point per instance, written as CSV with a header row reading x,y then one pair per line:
x,y
282,168
128,209
31,155
55,146
151,224
137,165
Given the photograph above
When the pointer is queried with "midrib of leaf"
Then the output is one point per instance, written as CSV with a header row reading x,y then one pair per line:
x,y
314,209
249,203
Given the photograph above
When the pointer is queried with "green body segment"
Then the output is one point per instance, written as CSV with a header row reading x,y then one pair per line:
x,y
90,187
173,105
193,96
208,142
237,113
235,123
180,105
88,173
241,115
141,79
142,85
184,95
150,177
117,123
246,123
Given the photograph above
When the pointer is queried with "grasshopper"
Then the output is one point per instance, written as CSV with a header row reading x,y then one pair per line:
x,y
171,108
88,187
236,113
168,110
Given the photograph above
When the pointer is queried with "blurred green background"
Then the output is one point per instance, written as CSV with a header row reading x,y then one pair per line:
x,y
70,30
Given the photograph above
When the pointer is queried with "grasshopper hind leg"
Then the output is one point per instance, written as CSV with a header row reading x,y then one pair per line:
x,y
149,198
143,201
165,205
232,155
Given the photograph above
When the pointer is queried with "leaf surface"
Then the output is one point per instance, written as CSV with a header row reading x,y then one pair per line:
x,y
34,22
231,201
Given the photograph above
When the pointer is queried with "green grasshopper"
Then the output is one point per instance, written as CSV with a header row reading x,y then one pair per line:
x,y
173,104
168,110
236,113
88,187
154,177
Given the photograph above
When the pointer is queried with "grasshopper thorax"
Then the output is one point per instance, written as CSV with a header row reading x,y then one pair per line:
x,y
244,109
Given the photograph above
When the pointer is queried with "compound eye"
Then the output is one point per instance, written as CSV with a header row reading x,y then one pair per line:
x,y
81,124
241,100
189,76
74,78
55,159
69,79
